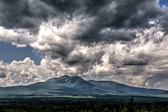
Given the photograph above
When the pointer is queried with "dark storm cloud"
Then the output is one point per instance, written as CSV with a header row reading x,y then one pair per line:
x,y
141,60
2,75
30,13
124,15
163,20
133,13
22,14
80,59
135,63
114,20
60,51
71,6
128,14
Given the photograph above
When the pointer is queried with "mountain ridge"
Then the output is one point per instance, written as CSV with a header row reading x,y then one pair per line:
x,y
74,85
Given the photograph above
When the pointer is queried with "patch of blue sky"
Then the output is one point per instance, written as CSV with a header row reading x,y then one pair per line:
x,y
8,53
163,3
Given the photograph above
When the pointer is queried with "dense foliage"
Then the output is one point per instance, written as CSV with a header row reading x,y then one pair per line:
x,y
84,106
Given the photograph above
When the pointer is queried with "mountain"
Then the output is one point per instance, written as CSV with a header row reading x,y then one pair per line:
x,y
67,85
121,88
73,85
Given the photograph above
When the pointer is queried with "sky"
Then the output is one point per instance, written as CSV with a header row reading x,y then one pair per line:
x,y
116,40
163,3
9,53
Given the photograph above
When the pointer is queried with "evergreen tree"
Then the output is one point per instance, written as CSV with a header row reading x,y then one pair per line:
x,y
131,104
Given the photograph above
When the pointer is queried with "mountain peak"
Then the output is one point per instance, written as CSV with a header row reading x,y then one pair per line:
x,y
73,82
65,76
66,79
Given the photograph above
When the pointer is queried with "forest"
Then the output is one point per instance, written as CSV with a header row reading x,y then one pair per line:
x,y
85,106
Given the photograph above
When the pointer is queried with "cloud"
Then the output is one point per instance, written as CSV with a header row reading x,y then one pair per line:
x,y
22,73
23,14
113,17
17,37
123,41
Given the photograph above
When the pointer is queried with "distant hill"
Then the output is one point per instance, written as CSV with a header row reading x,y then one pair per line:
x,y
76,86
